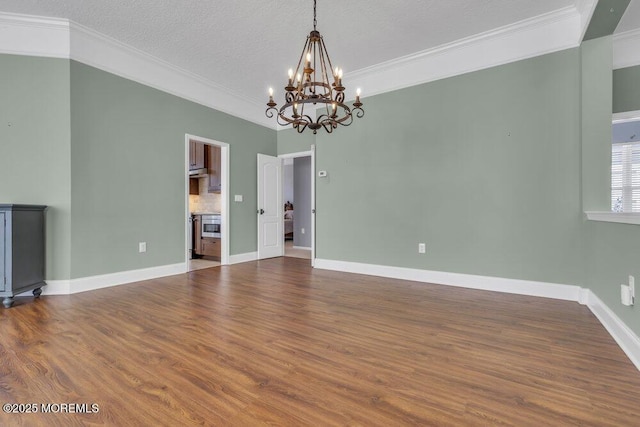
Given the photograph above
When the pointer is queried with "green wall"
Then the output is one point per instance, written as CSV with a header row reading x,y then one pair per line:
x,y
484,168
290,141
107,156
127,161
626,89
612,250
597,58
34,147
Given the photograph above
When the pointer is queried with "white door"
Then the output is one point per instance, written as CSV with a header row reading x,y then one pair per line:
x,y
270,207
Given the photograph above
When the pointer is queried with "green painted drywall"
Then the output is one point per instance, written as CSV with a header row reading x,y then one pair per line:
x,y
605,18
484,168
626,89
612,251
127,159
290,141
34,147
597,57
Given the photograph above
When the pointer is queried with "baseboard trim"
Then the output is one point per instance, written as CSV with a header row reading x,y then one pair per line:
x,y
625,337
83,284
54,287
498,284
305,248
240,258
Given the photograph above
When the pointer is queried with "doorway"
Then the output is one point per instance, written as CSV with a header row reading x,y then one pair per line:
x,y
206,195
298,196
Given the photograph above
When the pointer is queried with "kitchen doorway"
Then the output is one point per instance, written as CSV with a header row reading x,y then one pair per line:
x,y
206,203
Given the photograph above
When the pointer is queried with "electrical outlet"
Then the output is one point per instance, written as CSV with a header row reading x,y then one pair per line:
x,y
238,198
422,248
625,295
302,231
142,247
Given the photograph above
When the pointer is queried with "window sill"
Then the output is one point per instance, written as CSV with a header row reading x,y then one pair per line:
x,y
621,217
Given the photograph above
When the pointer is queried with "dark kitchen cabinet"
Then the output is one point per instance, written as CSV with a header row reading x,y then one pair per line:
x,y
21,251
194,188
214,168
197,157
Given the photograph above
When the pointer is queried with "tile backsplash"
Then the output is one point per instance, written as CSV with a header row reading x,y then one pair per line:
x,y
205,201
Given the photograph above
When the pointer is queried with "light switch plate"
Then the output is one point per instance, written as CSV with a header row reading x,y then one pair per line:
x,y
238,197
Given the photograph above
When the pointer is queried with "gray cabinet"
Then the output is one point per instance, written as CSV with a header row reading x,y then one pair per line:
x,y
21,250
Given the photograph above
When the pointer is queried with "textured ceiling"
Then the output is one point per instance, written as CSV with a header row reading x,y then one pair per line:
x,y
247,46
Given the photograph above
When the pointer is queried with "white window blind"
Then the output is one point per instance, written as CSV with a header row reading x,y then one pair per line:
x,y
625,177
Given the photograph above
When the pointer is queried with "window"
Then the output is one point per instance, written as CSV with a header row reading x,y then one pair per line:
x,y
625,177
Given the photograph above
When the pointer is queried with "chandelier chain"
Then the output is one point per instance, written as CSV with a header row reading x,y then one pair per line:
x,y
315,21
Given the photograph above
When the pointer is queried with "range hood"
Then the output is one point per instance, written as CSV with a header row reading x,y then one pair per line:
x,y
198,173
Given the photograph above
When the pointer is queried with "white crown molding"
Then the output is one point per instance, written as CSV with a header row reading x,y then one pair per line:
x,y
60,38
100,51
585,9
34,36
626,49
544,34
551,32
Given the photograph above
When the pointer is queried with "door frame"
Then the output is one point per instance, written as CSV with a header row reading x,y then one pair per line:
x,y
311,153
224,194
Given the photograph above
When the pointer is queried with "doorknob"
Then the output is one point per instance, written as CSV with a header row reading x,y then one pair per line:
x,y
261,211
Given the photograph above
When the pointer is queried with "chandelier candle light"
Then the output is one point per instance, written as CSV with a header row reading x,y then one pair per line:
x,y
312,86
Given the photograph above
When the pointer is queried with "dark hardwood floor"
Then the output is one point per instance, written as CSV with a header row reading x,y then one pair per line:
x,y
277,343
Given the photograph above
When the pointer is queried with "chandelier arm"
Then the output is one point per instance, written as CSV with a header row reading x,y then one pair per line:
x,y
270,112
359,112
284,121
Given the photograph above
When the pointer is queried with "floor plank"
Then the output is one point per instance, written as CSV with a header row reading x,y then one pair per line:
x,y
276,342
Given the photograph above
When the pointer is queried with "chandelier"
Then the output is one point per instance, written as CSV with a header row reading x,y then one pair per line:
x,y
312,90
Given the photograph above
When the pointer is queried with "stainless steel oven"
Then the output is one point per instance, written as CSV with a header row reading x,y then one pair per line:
x,y
211,225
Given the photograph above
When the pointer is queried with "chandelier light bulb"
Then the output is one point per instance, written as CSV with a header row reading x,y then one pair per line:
x,y
358,92
270,91
299,77
290,74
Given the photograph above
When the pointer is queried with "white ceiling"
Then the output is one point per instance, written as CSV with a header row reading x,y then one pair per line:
x,y
631,18
244,47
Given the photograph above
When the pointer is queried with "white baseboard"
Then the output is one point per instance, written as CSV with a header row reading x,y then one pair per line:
x,y
246,257
625,337
498,284
55,287
305,248
83,284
